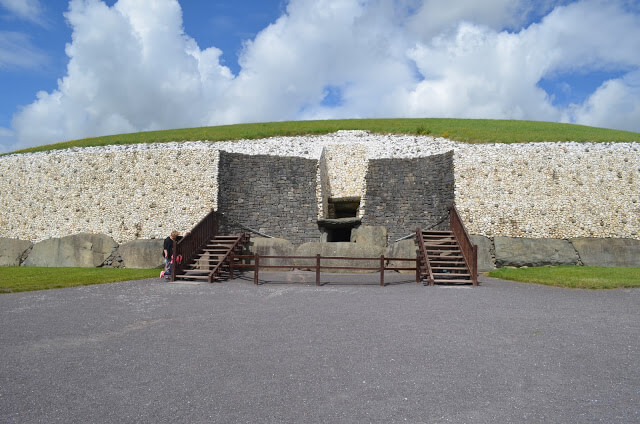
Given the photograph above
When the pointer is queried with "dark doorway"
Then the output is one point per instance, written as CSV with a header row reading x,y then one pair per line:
x,y
335,235
343,207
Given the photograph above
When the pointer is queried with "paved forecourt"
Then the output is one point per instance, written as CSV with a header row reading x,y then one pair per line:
x,y
348,351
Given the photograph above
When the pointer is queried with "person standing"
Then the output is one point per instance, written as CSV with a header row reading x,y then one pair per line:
x,y
167,253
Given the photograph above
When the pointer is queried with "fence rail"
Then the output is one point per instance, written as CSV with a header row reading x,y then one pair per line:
x,y
384,264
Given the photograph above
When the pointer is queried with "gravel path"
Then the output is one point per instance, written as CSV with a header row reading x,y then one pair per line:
x,y
349,352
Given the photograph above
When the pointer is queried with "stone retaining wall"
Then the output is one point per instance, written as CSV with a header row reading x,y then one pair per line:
x,y
532,190
550,190
402,194
272,194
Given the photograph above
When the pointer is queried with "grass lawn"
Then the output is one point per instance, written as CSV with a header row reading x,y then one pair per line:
x,y
465,130
17,279
578,277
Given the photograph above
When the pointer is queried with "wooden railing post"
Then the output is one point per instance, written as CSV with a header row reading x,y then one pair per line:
x,y
381,270
174,263
231,259
256,266
318,269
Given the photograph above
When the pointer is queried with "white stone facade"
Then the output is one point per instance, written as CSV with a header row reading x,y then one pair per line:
x,y
537,190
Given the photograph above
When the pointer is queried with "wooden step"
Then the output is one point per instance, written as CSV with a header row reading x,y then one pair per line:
x,y
438,281
451,269
195,277
452,275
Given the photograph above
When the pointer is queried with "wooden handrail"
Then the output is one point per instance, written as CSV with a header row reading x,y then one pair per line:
x,y
423,256
469,250
239,241
192,243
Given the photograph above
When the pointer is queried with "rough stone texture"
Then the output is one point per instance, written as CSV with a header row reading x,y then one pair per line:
x,y
368,234
11,251
272,247
533,252
535,190
403,249
79,250
402,194
352,250
485,253
135,192
549,190
608,252
142,254
274,195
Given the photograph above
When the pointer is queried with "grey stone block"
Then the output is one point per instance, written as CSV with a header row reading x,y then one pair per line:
x,y
369,234
11,251
403,249
79,250
485,252
608,252
533,252
273,247
142,254
351,250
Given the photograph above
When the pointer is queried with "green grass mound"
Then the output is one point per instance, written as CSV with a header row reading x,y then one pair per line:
x,y
464,130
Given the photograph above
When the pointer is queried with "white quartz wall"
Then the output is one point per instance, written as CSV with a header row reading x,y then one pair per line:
x,y
555,190
126,194
550,190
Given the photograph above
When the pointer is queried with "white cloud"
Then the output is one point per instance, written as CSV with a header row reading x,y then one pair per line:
x,y
30,10
132,67
616,103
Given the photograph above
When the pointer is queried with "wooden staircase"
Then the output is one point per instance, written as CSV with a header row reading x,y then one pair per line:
x,y
447,257
212,259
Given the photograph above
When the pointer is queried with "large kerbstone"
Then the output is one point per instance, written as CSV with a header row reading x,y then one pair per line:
x,y
79,250
608,252
405,249
11,251
142,254
273,247
369,234
533,252
485,256
350,250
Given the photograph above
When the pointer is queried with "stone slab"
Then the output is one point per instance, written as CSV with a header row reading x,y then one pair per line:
x,y
403,249
369,234
533,252
485,252
79,250
608,252
142,254
272,247
350,250
11,251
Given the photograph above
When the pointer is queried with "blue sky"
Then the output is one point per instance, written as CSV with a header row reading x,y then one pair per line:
x,y
81,68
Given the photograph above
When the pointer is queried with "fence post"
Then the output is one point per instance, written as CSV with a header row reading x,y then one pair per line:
x,y
381,270
231,266
256,265
418,269
318,269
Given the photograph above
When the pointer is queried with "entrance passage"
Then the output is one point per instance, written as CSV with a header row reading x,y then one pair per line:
x,y
343,207
342,218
